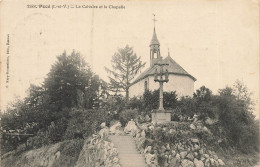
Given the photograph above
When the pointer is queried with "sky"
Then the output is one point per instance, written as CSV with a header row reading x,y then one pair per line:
x,y
217,42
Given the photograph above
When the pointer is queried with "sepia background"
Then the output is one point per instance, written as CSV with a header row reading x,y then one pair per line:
x,y
215,41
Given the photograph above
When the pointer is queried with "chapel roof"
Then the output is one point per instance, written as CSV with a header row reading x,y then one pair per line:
x,y
173,68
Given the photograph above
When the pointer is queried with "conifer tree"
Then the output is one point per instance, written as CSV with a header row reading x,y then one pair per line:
x,y
125,66
71,82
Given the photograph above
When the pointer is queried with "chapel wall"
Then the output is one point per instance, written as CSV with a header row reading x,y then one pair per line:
x,y
183,85
137,89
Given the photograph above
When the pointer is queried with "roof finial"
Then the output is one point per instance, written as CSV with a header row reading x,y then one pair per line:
x,y
168,52
154,39
154,20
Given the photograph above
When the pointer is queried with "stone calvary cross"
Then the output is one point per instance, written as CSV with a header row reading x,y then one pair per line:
x,y
160,115
161,76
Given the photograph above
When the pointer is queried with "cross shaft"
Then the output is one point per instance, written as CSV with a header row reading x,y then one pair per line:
x,y
161,81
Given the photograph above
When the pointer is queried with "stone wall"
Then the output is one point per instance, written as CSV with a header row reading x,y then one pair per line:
x,y
49,156
98,151
184,149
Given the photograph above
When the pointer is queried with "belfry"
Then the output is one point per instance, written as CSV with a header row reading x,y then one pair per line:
x,y
180,80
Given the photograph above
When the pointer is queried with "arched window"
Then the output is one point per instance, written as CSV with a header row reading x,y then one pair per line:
x,y
145,86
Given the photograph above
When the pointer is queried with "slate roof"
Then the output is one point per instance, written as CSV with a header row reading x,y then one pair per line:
x,y
173,68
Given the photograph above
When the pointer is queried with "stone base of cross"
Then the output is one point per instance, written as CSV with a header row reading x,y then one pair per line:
x,y
161,116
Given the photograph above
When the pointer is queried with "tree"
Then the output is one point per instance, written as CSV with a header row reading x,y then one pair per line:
x,y
46,109
125,66
242,93
203,94
235,116
203,98
71,83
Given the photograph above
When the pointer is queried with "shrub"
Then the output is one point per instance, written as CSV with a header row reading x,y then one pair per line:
x,y
240,128
127,115
135,103
41,139
203,94
158,134
186,106
150,101
114,103
170,100
70,150
83,123
57,130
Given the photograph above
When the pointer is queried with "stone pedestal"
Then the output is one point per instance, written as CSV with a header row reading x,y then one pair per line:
x,y
161,116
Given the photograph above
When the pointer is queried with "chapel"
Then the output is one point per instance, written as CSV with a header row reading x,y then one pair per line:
x,y
179,80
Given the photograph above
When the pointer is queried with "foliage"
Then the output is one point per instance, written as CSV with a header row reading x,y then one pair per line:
x,y
114,103
39,140
83,123
8,143
170,100
235,125
242,93
53,134
203,94
240,127
12,117
127,115
70,151
186,106
67,106
125,66
13,123
57,130
70,83
200,104
135,103
151,100
80,124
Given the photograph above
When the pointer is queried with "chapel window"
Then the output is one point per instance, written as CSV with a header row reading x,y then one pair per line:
x,y
145,86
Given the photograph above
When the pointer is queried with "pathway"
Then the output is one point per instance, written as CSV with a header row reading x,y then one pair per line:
x,y
127,152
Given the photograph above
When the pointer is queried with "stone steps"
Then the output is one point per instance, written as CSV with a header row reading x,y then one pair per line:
x,y
127,152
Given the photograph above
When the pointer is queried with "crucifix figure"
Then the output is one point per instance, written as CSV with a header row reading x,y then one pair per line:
x,y
161,77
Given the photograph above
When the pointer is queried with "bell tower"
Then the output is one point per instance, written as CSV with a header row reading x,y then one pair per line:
x,y
154,47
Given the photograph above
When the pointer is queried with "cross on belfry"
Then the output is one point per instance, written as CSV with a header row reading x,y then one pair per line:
x,y
154,19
